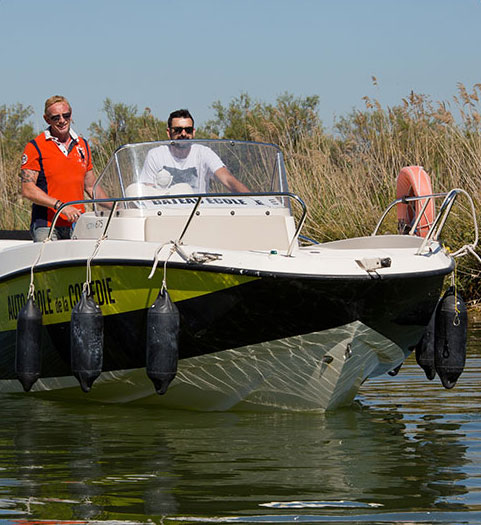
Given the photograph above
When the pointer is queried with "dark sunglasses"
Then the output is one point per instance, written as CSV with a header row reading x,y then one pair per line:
x,y
178,130
56,118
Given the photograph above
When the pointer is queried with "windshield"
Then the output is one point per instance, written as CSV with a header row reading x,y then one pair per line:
x,y
194,166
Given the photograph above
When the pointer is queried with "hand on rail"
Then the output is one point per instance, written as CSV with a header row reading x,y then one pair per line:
x,y
71,213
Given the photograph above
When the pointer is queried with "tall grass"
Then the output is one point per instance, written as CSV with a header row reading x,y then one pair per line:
x,y
14,212
346,177
349,178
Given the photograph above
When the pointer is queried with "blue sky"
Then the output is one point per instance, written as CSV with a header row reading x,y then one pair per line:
x,y
167,54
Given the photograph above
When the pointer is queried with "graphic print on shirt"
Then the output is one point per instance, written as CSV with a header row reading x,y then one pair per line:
x,y
187,175
82,156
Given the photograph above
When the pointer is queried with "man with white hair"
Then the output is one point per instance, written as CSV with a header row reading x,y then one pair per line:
x,y
56,168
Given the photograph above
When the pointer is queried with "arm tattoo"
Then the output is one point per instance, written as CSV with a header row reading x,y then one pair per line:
x,y
28,176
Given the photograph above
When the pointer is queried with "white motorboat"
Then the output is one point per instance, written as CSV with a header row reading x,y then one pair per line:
x,y
264,317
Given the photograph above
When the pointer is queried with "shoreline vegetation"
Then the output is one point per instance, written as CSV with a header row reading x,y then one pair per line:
x,y
346,177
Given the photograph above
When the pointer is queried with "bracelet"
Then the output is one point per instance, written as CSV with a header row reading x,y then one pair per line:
x,y
57,204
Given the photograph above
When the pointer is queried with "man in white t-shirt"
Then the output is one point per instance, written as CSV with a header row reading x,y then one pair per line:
x,y
183,163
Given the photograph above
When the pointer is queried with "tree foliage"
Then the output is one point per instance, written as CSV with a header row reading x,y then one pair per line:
x,y
284,122
15,131
124,125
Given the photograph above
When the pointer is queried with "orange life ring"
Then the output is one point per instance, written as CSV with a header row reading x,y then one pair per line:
x,y
413,181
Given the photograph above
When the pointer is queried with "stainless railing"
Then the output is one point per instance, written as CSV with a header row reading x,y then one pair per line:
x,y
439,221
406,200
197,197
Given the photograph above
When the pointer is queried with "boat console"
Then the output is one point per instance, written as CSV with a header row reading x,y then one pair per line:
x,y
160,206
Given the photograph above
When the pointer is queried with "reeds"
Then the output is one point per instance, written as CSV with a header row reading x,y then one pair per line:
x,y
14,213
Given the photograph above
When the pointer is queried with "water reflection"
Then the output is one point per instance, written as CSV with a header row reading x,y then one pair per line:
x,y
408,450
74,462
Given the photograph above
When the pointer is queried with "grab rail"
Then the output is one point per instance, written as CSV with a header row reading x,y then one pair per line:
x,y
439,221
197,197
405,200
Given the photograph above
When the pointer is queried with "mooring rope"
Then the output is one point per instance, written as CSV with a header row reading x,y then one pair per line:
x,y
173,249
31,288
88,278
469,248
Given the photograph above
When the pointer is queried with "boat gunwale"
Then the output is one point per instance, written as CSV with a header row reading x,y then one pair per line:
x,y
200,267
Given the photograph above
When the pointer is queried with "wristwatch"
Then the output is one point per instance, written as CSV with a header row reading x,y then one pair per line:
x,y
57,204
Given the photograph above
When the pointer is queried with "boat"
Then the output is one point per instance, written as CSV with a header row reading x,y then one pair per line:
x,y
256,315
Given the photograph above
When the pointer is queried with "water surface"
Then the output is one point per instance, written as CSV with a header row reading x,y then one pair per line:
x,y
408,451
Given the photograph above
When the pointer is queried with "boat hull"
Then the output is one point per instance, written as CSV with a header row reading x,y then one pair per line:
x,y
314,372
247,338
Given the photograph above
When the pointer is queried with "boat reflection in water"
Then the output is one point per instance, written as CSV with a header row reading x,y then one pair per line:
x,y
118,463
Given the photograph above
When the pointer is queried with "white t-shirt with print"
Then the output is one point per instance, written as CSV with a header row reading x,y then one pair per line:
x,y
196,169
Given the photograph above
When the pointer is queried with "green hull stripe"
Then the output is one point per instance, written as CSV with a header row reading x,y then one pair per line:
x,y
116,289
